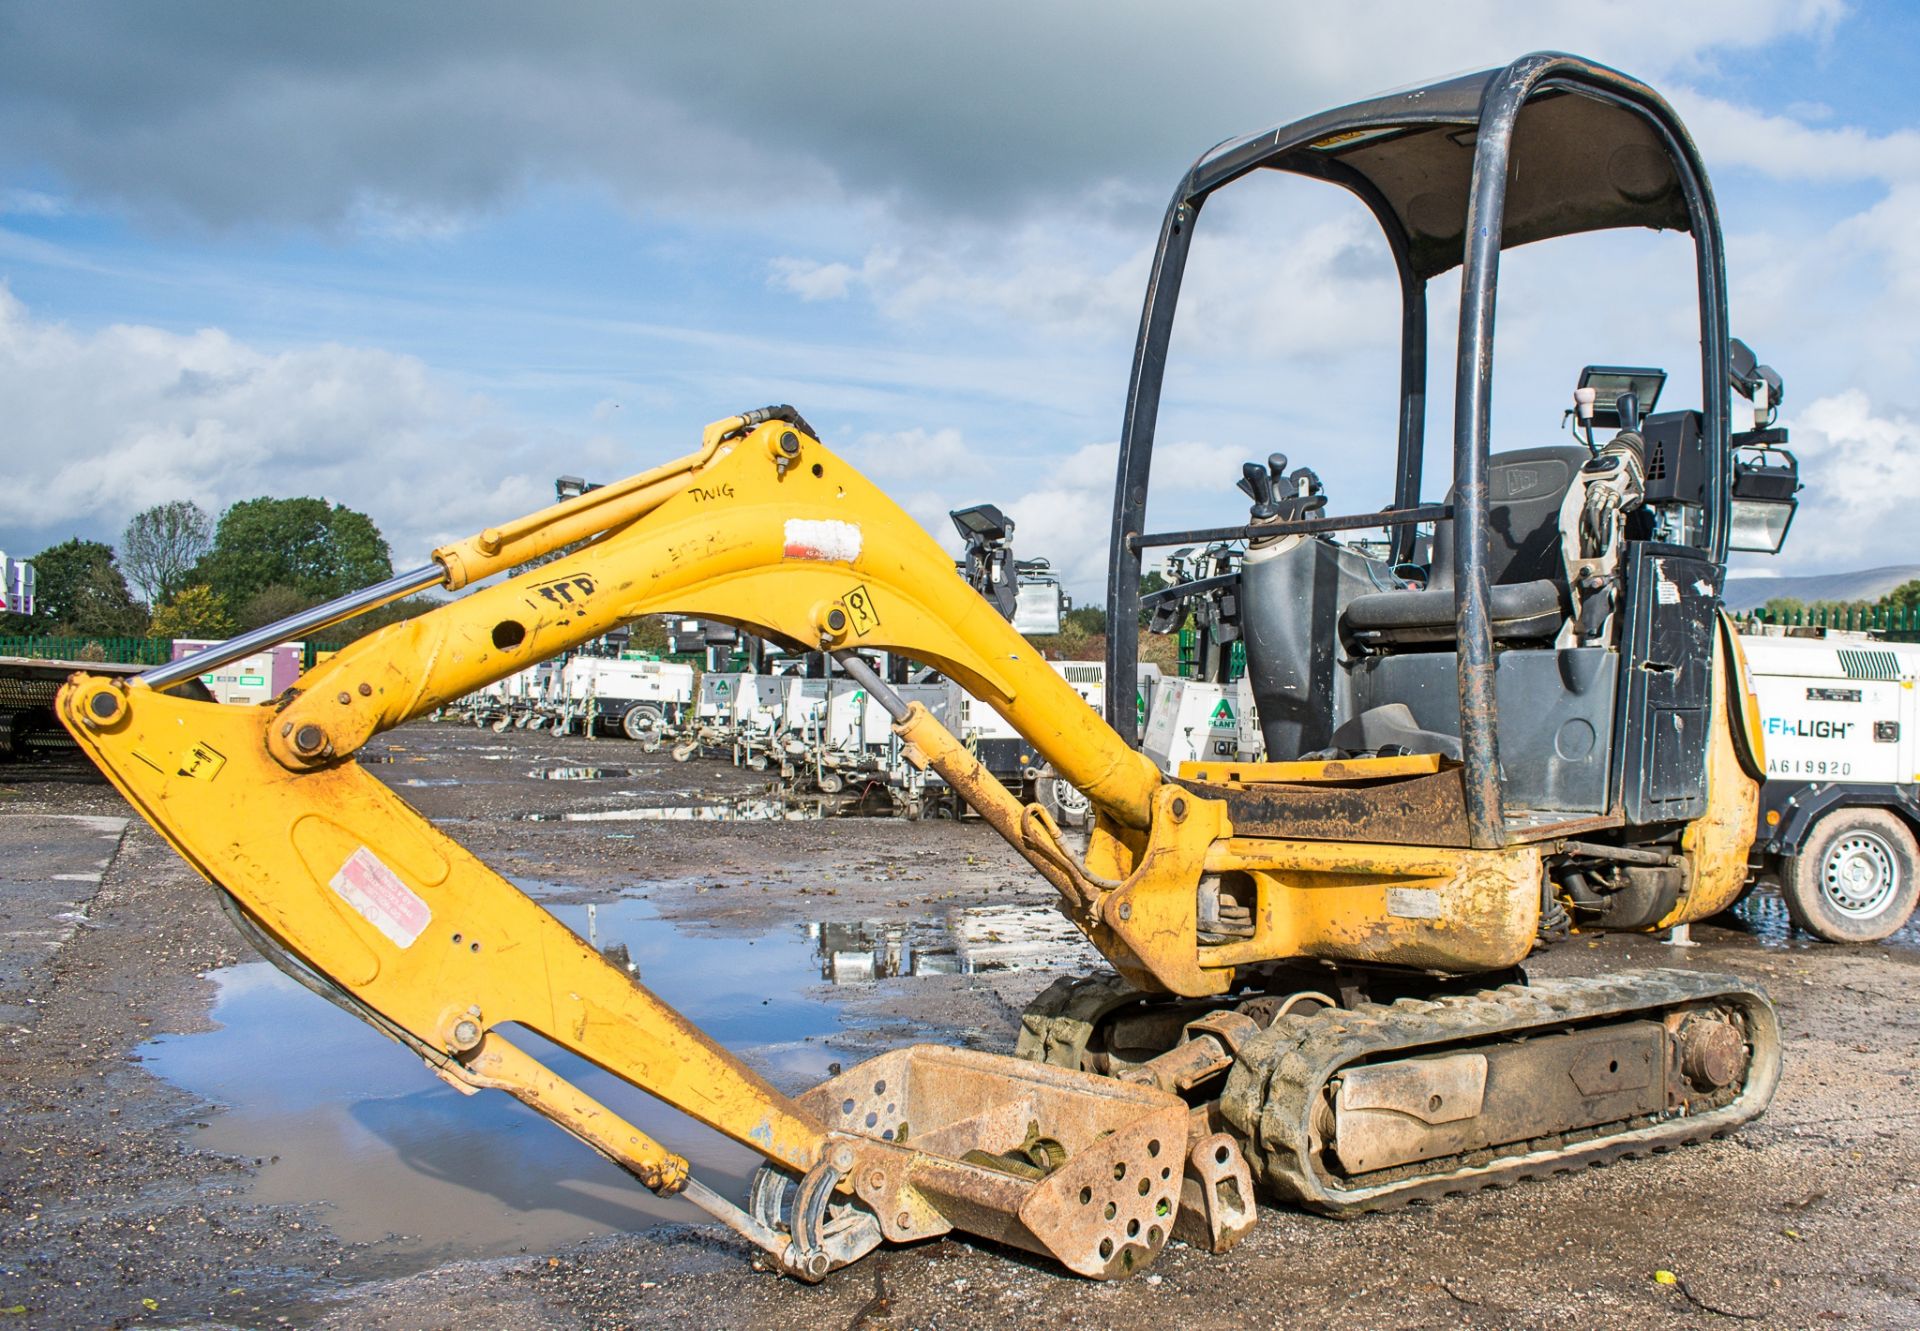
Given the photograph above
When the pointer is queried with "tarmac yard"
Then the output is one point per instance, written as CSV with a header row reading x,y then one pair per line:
x,y
191,1140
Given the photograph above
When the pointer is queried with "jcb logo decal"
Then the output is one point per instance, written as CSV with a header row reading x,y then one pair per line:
x,y
566,591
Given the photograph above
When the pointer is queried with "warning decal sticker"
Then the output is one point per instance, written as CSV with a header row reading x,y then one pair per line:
x,y
385,902
808,538
861,610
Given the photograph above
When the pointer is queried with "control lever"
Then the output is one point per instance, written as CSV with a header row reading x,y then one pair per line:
x,y
1628,405
1278,494
1306,497
1257,482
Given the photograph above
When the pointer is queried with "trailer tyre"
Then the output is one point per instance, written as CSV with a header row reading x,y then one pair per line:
x,y
1856,877
1058,796
643,724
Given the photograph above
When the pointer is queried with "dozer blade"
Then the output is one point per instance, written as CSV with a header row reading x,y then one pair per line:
x,y
1354,1110
1082,1168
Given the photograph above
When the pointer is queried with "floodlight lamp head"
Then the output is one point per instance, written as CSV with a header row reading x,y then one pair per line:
x,y
983,524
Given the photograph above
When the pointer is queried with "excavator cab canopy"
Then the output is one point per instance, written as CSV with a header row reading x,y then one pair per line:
x,y
1578,162
1454,172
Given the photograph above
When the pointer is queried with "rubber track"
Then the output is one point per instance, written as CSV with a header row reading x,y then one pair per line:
x,y
1061,1019
1276,1084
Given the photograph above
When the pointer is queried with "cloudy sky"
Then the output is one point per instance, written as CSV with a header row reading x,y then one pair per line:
x,y
423,258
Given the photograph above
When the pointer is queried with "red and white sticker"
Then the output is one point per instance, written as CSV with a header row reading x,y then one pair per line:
x,y
385,902
809,538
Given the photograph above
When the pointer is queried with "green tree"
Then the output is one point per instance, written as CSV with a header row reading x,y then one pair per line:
x,y
1782,606
378,618
80,590
194,612
1904,598
647,634
274,603
1087,619
317,550
162,544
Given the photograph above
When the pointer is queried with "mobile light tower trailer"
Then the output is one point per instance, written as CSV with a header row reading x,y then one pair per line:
x,y
1840,805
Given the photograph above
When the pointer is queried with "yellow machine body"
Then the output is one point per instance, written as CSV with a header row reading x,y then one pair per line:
x,y
767,529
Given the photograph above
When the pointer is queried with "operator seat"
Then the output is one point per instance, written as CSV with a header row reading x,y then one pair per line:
x,y
1528,597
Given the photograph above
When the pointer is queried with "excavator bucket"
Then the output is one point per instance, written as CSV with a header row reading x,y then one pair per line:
x,y
1085,1169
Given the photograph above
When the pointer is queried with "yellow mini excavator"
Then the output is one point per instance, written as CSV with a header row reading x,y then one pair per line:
x,y
1539,722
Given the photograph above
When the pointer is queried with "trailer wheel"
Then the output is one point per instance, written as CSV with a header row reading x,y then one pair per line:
x,y
644,724
1855,878
1058,796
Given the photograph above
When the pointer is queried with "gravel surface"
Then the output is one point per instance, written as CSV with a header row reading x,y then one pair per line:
x,y
113,1212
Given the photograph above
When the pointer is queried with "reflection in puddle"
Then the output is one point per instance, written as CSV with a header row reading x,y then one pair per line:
x,y
757,810
578,773
349,1119
1763,917
967,942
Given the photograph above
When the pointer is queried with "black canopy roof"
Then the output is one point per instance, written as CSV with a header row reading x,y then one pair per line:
x,y
1585,158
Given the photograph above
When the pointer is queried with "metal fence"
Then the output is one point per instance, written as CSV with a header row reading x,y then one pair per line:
x,y
1189,656
121,651
1894,623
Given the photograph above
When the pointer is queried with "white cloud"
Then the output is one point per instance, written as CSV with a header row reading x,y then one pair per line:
x,y
317,116
1861,485
810,280
30,203
100,425
1783,147
1061,505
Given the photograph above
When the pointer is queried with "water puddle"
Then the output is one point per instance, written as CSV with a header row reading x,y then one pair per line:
x,y
343,1118
346,1118
971,941
758,809
1763,917
578,773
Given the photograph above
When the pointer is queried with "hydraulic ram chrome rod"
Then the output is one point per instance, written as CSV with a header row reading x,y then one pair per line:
x,y
345,607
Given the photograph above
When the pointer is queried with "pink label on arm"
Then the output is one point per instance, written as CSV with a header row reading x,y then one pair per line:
x,y
385,902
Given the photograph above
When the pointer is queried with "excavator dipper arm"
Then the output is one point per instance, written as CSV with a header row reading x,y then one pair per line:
x,y
344,884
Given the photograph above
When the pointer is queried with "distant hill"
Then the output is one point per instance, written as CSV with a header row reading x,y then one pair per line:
x,y
1867,584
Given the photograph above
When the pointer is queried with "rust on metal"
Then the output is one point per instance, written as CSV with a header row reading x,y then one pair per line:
x,y
1331,770
1408,1110
1085,1169
1216,1196
1712,1051
1422,810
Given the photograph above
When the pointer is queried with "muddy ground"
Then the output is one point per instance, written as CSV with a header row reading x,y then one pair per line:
x,y
118,1206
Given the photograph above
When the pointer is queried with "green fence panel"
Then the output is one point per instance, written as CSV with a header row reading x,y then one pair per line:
x,y
121,651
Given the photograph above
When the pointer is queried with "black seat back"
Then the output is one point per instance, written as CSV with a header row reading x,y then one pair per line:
x,y
1524,492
